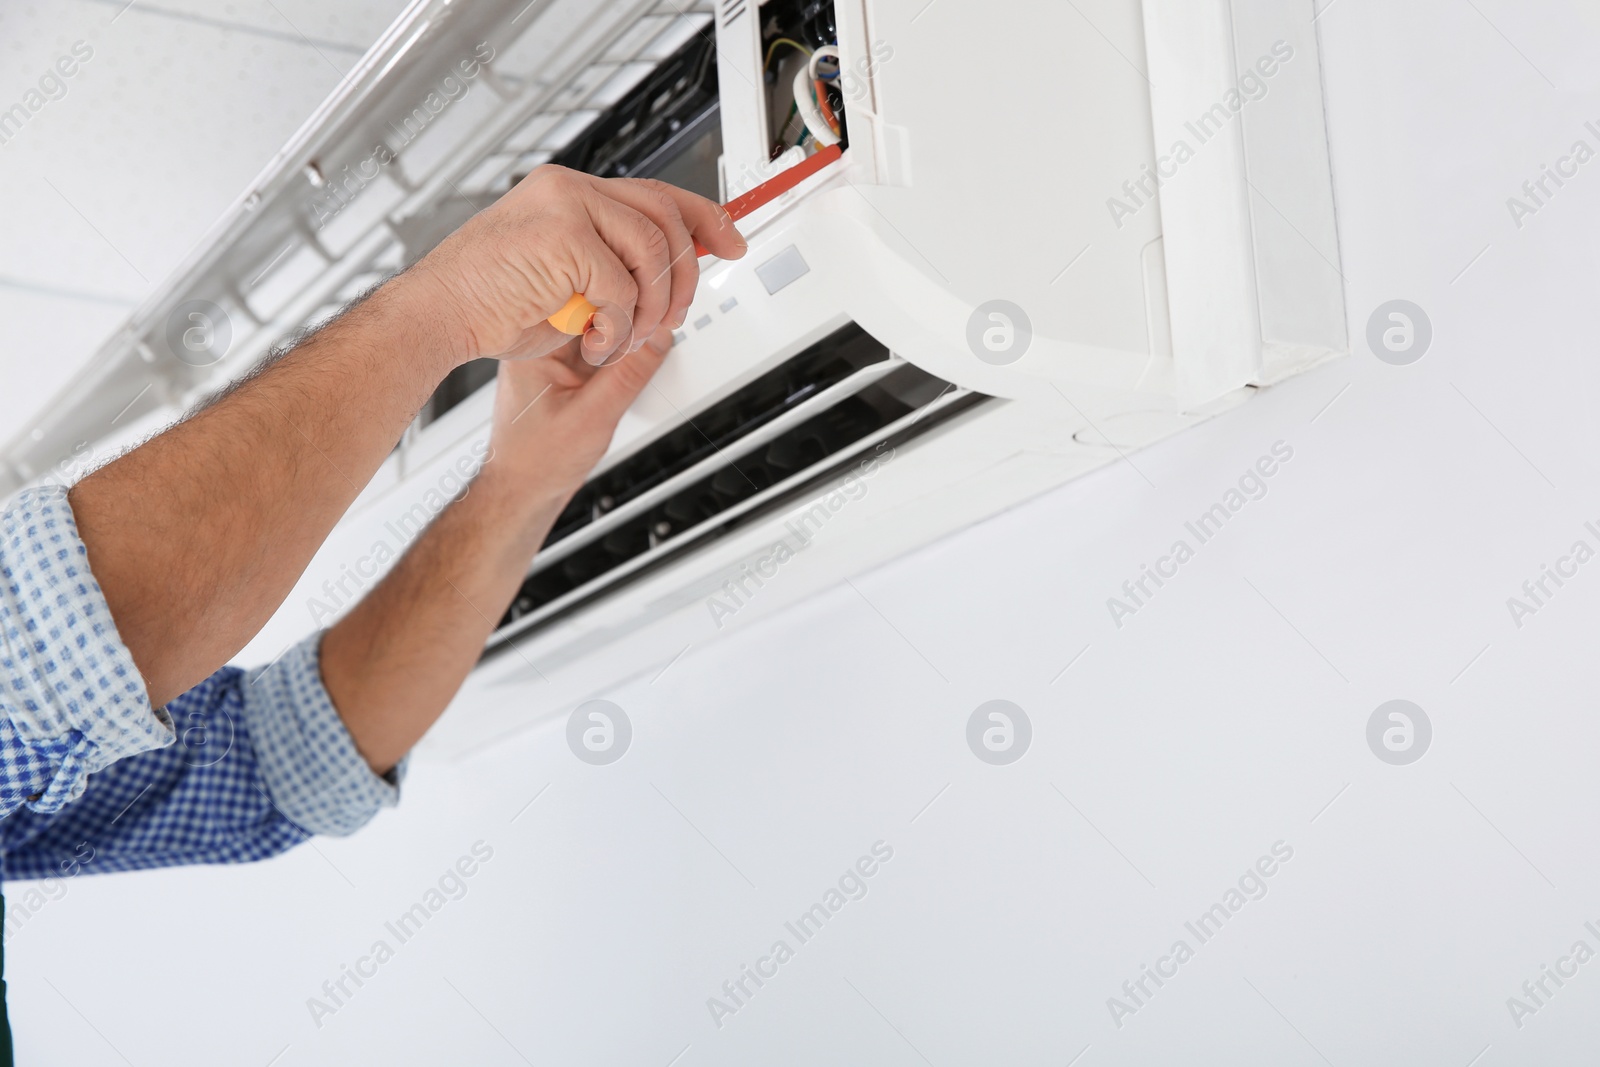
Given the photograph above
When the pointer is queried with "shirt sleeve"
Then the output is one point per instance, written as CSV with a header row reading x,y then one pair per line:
x,y
71,700
262,762
93,779
308,760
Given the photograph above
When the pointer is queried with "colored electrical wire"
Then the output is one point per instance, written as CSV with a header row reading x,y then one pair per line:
x,y
825,107
821,129
829,51
790,41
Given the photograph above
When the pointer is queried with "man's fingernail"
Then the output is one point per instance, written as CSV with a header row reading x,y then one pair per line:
x,y
677,320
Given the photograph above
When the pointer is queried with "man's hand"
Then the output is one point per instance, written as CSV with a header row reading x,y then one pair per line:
x,y
554,417
626,244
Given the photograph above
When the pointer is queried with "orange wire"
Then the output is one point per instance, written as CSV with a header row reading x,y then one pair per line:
x,y
822,105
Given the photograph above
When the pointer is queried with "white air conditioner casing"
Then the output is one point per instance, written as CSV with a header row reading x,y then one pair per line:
x,y
1003,152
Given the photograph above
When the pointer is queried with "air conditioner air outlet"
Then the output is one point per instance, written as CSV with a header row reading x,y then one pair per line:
x,y
840,364
864,396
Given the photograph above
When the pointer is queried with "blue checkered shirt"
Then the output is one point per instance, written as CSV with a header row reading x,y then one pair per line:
x,y
93,779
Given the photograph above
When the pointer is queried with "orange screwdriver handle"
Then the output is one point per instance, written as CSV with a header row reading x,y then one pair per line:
x,y
577,314
574,317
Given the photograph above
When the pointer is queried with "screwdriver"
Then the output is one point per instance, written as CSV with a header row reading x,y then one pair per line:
x,y
577,314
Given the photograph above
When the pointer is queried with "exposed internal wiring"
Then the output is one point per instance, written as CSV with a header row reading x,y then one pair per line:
x,y
807,92
827,51
772,48
818,121
826,108
814,73
783,141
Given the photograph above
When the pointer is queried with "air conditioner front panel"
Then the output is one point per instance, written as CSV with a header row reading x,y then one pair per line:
x,y
1012,148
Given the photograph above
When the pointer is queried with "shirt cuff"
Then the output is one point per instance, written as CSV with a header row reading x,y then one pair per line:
x,y
66,679
307,759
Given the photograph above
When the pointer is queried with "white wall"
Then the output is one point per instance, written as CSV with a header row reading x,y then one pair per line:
x,y
1228,714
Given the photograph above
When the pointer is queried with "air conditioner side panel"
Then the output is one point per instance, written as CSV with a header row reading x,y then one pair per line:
x,y
1296,237
1199,165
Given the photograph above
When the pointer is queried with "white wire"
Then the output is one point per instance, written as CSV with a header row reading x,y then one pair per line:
x,y
827,51
806,103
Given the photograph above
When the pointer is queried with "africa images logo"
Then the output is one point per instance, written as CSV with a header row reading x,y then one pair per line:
x,y
999,732
599,732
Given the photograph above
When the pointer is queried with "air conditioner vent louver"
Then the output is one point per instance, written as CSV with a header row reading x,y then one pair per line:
x,y
720,426
737,460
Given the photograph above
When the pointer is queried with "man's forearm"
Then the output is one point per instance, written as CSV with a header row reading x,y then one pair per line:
x,y
394,663
196,537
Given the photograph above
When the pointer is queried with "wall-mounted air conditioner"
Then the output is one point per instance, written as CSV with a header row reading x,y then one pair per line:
x,y
1057,232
